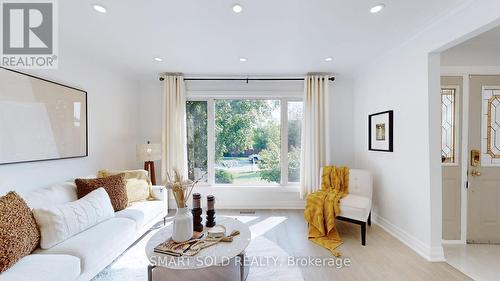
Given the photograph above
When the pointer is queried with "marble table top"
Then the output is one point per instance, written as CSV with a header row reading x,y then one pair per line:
x,y
220,254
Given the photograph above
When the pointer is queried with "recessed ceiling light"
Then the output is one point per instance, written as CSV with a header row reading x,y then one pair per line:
x,y
237,8
329,59
158,59
377,8
243,59
99,8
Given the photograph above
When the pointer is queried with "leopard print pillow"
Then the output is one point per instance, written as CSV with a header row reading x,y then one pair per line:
x,y
19,234
114,186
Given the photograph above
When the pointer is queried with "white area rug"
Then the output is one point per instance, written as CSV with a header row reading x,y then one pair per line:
x,y
132,265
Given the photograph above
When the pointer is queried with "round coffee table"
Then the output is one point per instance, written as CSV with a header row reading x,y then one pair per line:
x,y
219,262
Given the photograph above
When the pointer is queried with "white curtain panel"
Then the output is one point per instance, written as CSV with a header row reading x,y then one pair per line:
x,y
174,150
315,133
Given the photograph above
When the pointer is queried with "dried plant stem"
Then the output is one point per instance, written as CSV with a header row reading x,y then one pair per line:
x,y
190,190
194,183
175,197
181,189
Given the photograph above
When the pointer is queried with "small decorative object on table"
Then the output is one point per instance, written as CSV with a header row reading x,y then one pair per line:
x,y
210,211
217,231
183,220
197,211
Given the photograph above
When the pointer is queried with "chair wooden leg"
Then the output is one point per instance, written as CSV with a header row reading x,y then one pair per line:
x,y
370,219
361,223
363,233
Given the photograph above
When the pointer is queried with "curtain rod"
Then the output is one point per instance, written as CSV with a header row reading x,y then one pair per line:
x,y
246,79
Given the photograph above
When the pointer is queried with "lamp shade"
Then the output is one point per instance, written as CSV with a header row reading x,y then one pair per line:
x,y
149,152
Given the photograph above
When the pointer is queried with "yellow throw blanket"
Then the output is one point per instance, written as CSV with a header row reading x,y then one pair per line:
x,y
322,208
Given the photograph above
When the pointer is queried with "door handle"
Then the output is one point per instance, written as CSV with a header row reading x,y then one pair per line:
x,y
475,173
475,158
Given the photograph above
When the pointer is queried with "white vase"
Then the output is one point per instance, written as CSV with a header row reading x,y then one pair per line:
x,y
183,225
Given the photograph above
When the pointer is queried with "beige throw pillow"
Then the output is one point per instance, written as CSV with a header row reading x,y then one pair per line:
x,y
138,184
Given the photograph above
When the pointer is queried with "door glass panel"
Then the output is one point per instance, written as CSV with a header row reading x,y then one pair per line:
x,y
491,128
448,125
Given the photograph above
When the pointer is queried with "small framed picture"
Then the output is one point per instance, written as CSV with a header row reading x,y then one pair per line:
x,y
380,131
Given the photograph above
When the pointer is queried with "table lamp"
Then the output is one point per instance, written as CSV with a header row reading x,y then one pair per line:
x,y
149,153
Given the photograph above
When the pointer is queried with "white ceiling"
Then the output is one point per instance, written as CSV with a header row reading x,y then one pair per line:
x,y
279,37
482,50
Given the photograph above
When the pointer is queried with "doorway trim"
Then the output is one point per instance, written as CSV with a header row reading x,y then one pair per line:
x,y
465,158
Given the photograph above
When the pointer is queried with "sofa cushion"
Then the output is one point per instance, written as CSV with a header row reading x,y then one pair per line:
x,y
56,194
143,212
138,184
19,234
44,267
59,222
114,186
355,207
98,243
137,190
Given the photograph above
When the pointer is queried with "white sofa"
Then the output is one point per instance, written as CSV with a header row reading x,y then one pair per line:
x,y
84,255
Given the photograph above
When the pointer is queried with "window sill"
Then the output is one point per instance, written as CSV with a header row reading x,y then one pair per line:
x,y
251,188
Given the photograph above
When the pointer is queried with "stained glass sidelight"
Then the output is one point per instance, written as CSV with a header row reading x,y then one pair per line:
x,y
448,125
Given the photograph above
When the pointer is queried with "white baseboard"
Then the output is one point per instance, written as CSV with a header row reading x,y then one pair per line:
x,y
432,254
453,242
256,205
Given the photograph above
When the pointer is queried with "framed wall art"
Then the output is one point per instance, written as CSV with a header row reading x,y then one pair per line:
x,y
40,119
380,131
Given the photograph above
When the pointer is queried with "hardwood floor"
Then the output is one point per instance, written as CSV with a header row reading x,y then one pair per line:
x,y
383,257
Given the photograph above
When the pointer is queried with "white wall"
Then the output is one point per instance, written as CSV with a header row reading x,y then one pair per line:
x,y
112,117
342,135
407,191
343,124
150,111
481,50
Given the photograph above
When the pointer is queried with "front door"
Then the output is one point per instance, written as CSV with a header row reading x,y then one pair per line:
x,y
483,221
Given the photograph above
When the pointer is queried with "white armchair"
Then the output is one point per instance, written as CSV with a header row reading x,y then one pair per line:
x,y
357,205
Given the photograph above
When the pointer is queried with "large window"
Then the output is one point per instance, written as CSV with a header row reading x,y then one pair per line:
x,y
244,142
197,139
295,115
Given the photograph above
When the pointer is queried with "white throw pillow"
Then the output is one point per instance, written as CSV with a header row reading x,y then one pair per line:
x,y
60,222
